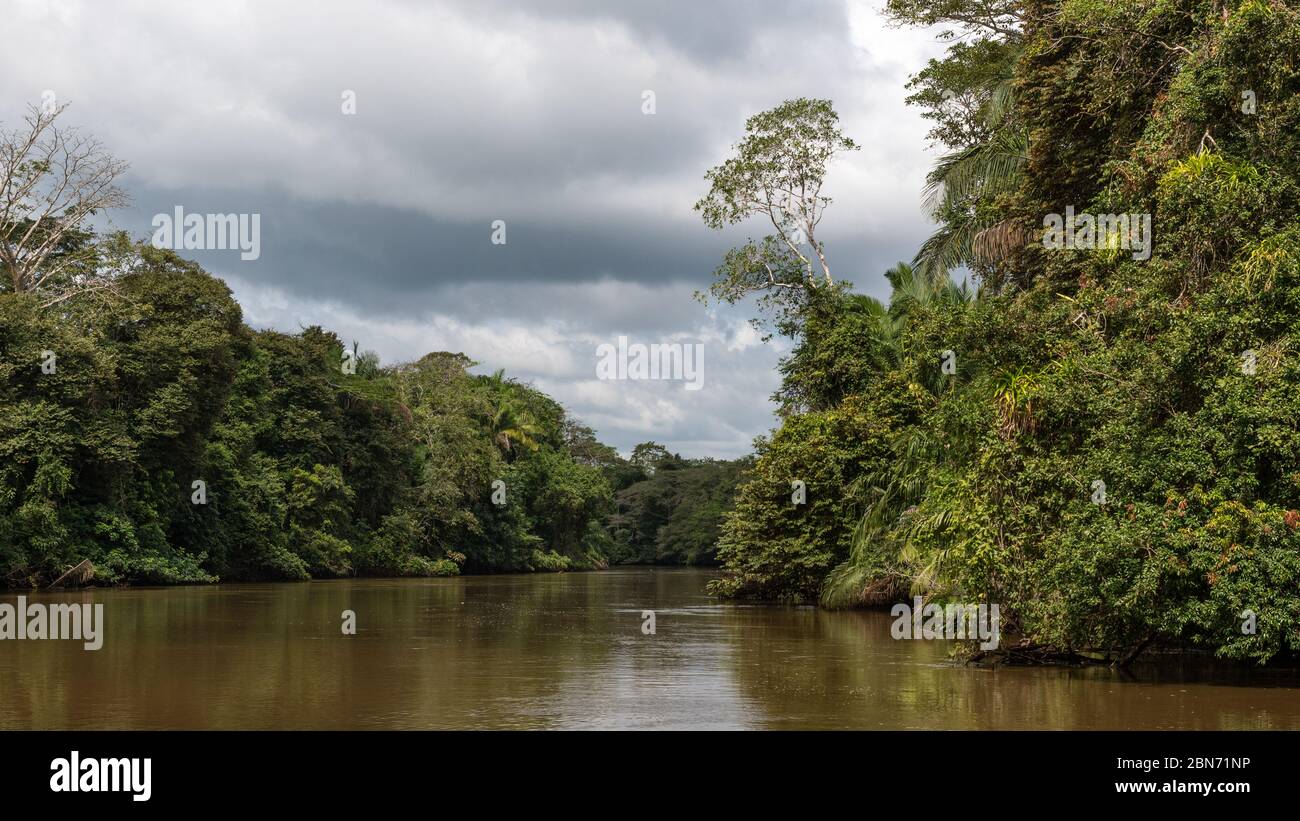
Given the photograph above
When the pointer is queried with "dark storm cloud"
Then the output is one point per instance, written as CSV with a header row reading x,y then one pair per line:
x,y
399,261
706,32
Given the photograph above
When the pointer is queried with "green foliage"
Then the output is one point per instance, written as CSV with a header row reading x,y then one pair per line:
x,y
309,470
969,96
1170,380
844,344
772,547
675,515
549,561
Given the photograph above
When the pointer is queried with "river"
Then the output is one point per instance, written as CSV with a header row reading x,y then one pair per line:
x,y
566,651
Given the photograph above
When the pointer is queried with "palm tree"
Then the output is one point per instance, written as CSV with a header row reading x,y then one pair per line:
x,y
883,558
961,189
886,557
913,288
512,425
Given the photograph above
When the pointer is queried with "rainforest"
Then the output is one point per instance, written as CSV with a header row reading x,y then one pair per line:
x,y
1168,383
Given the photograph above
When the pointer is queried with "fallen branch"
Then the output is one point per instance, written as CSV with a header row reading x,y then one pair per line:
x,y
82,573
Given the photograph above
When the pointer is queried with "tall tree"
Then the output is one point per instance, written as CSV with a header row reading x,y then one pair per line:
x,y
52,179
776,173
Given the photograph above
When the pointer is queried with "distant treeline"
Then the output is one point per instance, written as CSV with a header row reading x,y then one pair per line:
x,y
673,512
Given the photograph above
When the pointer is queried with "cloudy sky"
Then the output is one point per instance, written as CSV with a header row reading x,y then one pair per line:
x,y
378,224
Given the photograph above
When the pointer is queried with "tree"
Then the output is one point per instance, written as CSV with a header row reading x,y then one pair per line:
x,y
674,516
969,96
776,173
1002,18
582,445
648,455
774,547
52,180
513,425
843,349
962,189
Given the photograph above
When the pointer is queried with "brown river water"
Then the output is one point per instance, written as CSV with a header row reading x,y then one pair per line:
x,y
566,651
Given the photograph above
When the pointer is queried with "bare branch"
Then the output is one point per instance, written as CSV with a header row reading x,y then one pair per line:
x,y
52,180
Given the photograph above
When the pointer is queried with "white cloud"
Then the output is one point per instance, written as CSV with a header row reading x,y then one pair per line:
x,y
720,419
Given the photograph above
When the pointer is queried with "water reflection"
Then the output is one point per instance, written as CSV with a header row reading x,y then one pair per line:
x,y
566,651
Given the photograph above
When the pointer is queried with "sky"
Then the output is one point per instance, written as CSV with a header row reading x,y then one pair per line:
x,y
379,142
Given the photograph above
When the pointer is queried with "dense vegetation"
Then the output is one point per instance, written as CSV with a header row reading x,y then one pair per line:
x,y
309,467
1112,454
151,432
672,515
1105,445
